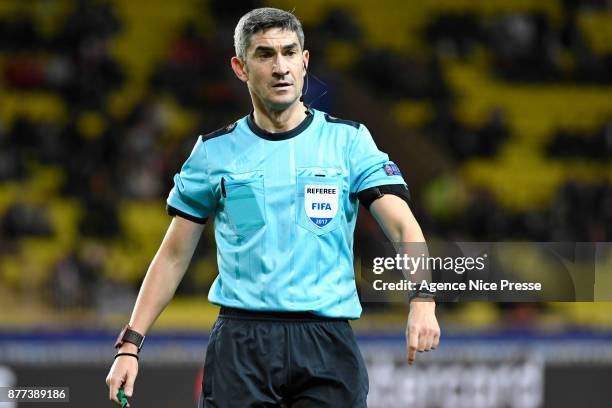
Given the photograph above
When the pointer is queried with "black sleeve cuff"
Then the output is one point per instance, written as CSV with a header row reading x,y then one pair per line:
x,y
369,195
174,212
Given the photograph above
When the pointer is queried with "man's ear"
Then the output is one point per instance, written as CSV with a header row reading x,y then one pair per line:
x,y
305,58
239,69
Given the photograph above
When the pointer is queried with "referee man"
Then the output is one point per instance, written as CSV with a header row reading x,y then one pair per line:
x,y
283,185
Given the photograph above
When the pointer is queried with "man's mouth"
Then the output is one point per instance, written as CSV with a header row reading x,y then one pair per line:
x,y
281,85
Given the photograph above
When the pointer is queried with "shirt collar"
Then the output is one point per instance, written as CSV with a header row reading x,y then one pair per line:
x,y
280,135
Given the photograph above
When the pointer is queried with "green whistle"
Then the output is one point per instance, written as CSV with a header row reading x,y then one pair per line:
x,y
122,398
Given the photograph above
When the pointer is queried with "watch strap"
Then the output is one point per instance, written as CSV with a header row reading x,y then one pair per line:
x,y
127,335
423,294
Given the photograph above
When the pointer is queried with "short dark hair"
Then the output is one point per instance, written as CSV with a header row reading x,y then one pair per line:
x,y
262,19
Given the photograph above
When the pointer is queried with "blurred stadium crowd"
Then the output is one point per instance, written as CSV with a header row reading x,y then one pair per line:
x,y
498,113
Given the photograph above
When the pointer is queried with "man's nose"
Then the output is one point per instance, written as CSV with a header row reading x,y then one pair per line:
x,y
280,67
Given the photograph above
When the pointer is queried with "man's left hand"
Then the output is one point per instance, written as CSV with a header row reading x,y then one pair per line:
x,y
422,329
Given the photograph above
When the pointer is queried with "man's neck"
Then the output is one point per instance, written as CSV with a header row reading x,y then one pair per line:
x,y
279,121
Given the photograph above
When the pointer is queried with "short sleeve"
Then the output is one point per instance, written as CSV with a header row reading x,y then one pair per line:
x,y
192,196
369,166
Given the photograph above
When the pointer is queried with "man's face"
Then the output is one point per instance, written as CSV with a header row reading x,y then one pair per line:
x,y
275,68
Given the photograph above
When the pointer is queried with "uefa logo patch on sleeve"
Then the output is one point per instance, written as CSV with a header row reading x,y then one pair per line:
x,y
320,203
391,169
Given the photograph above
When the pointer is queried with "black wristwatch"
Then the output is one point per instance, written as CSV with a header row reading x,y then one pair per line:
x,y
423,294
127,335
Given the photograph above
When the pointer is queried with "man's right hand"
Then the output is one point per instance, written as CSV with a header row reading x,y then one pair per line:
x,y
158,287
123,372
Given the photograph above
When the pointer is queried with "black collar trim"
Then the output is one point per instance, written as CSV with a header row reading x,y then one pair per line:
x,y
280,135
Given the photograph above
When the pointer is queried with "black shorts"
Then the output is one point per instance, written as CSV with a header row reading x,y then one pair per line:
x,y
273,359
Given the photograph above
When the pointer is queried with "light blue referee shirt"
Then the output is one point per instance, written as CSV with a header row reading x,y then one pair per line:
x,y
284,207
